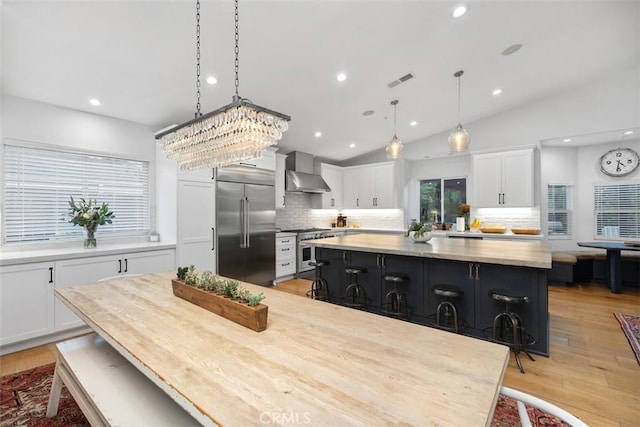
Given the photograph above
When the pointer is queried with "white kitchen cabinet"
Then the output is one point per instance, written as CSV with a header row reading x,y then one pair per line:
x,y
369,187
87,270
26,301
280,172
503,179
285,255
267,161
201,175
196,225
333,177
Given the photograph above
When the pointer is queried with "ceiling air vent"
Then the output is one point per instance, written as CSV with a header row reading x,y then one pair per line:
x,y
400,80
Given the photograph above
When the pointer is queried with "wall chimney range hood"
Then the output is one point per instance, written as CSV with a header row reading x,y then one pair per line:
x,y
299,176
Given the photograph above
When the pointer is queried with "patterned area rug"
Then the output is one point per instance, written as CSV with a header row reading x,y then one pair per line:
x,y
24,397
631,327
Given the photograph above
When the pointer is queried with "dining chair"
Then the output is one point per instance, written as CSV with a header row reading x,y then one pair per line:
x,y
522,398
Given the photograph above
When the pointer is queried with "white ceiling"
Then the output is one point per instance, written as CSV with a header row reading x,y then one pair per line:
x,y
138,58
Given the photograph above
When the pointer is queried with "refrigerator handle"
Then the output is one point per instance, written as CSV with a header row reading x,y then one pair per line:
x,y
248,224
242,232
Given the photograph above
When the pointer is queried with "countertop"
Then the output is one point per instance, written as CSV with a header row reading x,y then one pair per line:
x,y
506,252
317,363
478,234
9,256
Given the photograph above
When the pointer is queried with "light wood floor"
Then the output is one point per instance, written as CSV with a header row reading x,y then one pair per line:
x,y
592,371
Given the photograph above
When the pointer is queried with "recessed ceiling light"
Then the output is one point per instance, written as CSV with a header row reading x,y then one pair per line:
x,y
368,113
413,123
459,11
318,134
341,77
94,101
627,133
496,92
512,49
352,145
212,80
566,140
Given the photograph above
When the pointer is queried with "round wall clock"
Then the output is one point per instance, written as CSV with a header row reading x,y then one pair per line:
x,y
619,162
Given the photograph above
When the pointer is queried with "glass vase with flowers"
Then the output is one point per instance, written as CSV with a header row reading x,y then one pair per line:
x,y
89,215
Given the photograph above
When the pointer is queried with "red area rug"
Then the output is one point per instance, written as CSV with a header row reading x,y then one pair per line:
x,y
25,395
630,325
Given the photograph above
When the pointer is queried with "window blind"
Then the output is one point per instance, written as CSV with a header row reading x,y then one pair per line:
x,y
560,211
38,184
617,210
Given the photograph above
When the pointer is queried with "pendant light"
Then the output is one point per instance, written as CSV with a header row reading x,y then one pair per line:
x,y
459,139
394,148
236,132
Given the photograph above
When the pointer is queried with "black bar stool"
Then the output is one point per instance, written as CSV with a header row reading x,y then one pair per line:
x,y
355,295
395,302
319,288
507,326
447,312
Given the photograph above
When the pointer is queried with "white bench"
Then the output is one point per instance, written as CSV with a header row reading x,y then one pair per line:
x,y
108,389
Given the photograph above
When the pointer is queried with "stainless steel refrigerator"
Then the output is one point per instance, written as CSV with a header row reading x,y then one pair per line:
x,y
246,224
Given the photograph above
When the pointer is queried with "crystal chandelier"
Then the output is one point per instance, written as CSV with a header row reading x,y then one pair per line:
x,y
236,132
459,138
394,147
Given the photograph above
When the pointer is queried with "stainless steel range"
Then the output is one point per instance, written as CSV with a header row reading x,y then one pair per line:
x,y
305,252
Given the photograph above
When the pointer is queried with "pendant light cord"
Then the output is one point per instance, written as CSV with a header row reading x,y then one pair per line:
x,y
237,51
198,113
458,74
395,117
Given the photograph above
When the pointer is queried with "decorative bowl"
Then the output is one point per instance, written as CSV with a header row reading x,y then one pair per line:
x,y
422,239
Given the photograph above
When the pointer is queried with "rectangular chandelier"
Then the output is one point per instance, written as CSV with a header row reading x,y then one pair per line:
x,y
231,134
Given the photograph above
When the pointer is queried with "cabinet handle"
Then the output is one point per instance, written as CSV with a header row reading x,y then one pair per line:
x,y
285,264
499,202
248,164
477,271
284,241
285,249
503,202
357,203
213,238
283,202
344,257
333,202
50,274
213,173
119,266
382,258
126,265
378,260
471,271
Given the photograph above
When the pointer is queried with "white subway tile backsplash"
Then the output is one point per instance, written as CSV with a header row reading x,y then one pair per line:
x,y
510,217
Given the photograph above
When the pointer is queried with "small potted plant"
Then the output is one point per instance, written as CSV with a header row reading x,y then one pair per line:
x,y
224,297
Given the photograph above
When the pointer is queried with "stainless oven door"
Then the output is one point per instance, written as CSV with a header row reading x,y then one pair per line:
x,y
306,254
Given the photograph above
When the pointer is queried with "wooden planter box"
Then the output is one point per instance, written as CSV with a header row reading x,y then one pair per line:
x,y
251,317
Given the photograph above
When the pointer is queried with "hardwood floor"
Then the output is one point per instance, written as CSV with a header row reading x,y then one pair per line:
x,y
592,371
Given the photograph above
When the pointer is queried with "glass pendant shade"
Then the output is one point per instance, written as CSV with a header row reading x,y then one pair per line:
x,y
395,148
459,139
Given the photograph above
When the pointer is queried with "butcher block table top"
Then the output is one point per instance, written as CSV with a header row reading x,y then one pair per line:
x,y
317,363
506,252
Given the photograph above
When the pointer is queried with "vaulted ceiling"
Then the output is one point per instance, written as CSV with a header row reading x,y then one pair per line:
x,y
138,59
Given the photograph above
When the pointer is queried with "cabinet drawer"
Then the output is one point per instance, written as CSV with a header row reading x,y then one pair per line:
x,y
285,266
286,241
285,252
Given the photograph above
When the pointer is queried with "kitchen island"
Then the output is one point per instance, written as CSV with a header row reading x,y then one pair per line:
x,y
475,266
315,364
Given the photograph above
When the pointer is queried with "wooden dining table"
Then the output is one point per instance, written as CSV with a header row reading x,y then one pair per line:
x,y
316,363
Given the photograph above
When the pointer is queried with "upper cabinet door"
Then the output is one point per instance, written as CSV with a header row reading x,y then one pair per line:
x,y
383,178
333,176
280,171
267,161
350,199
503,179
200,175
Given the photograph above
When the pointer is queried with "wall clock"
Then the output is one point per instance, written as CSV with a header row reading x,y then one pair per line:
x,y
619,162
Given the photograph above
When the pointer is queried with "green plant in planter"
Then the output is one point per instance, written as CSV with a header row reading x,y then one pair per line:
x,y
218,285
245,294
230,288
205,281
191,276
255,299
182,272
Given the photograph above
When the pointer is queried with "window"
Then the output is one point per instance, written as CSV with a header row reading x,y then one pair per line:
x,y
438,196
617,210
560,216
38,184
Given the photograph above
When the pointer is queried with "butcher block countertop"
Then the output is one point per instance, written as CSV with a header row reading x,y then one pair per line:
x,y
506,252
317,363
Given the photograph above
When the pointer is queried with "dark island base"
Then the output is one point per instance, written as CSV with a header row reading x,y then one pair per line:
x,y
475,308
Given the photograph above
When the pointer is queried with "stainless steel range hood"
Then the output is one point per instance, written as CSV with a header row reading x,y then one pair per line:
x,y
299,175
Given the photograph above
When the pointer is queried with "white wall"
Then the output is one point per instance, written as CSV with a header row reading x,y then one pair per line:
x,y
43,124
579,167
